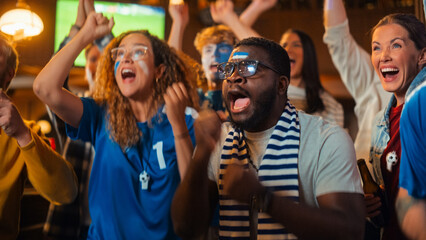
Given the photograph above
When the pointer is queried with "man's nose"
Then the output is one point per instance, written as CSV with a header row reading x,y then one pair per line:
x,y
235,78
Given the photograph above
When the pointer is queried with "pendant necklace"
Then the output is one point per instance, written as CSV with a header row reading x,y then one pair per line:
x,y
144,177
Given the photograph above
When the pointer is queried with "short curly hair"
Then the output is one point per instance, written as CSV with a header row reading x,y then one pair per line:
x,y
214,34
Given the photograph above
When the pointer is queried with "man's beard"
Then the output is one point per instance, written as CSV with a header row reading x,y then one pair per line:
x,y
261,110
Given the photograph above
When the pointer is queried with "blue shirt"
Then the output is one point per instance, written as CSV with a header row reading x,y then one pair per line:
x,y
118,206
412,171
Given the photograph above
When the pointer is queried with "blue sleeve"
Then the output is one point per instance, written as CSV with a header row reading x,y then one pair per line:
x,y
413,145
89,123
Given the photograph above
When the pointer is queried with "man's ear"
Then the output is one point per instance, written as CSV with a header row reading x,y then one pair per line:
x,y
159,71
421,62
283,83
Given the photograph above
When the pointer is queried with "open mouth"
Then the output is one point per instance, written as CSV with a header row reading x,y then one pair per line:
x,y
127,74
389,72
292,62
213,67
238,101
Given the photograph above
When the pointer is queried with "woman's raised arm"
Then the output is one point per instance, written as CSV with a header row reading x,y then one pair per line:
x,y
48,84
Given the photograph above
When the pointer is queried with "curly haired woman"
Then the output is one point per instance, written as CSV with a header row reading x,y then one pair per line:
x,y
138,123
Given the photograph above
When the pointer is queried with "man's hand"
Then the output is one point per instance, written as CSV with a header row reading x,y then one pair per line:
x,y
11,121
222,11
372,205
81,14
207,130
89,6
79,20
241,183
179,13
96,26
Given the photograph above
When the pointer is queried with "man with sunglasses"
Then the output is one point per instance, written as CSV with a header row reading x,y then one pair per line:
x,y
277,173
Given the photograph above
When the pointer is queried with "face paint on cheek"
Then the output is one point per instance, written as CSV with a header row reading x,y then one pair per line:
x,y
89,77
144,67
222,53
240,55
115,67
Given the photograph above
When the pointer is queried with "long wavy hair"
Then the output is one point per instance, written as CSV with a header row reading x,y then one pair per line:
x,y
122,122
310,74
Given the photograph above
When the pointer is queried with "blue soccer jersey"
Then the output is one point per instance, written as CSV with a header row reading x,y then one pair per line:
x,y
413,154
120,206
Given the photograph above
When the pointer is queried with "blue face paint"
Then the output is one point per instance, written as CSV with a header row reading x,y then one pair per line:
x,y
240,55
222,52
115,67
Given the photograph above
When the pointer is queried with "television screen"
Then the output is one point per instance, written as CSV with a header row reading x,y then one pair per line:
x,y
127,16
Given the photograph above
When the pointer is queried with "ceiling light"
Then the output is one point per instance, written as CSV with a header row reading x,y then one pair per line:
x,y
21,22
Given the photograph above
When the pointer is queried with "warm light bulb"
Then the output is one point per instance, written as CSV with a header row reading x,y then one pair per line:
x,y
21,22
176,2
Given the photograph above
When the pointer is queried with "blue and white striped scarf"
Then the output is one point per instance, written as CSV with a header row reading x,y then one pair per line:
x,y
278,172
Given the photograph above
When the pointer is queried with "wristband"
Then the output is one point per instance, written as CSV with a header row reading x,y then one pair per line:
x,y
76,27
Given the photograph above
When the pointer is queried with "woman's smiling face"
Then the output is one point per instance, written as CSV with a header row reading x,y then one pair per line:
x,y
294,47
395,58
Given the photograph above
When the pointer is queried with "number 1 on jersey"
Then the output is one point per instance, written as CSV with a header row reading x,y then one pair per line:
x,y
158,147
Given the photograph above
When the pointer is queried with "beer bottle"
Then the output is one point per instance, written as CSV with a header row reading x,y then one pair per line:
x,y
371,187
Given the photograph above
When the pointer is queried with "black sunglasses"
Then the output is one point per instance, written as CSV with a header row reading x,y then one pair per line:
x,y
246,68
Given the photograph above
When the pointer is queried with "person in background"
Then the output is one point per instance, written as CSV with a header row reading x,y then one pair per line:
x,y
25,155
137,122
357,73
92,55
214,44
305,91
277,173
398,51
411,198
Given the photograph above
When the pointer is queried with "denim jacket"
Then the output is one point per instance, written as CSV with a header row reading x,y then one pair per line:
x,y
380,133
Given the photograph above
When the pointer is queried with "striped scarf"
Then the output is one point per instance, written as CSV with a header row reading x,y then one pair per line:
x,y
278,172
